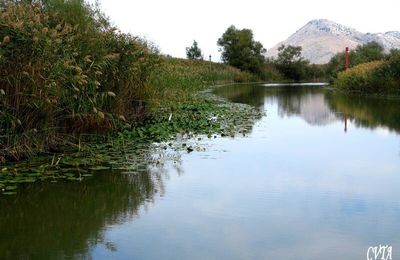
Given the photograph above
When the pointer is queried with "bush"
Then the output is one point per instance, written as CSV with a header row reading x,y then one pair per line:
x,y
358,78
377,77
368,52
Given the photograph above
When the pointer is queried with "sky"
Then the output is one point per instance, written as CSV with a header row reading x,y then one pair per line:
x,y
172,25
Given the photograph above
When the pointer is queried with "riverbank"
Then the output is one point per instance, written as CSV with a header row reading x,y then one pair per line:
x,y
173,89
203,116
68,78
77,95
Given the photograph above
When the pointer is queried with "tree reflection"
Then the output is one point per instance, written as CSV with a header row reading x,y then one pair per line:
x,y
367,112
65,220
318,106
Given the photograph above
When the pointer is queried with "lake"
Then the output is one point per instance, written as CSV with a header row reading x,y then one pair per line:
x,y
317,177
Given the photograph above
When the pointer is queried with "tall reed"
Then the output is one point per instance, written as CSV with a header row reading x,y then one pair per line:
x,y
60,75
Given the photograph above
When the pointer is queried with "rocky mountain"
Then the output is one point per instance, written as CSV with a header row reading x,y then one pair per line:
x,y
321,39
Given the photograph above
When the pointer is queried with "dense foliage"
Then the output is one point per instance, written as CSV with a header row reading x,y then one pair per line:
x,y
376,77
240,50
290,62
62,72
194,52
363,53
65,72
177,80
292,66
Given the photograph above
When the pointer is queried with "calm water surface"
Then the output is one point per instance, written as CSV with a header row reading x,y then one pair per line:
x,y
317,178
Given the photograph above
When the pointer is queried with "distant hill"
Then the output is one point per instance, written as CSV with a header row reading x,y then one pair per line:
x,y
321,39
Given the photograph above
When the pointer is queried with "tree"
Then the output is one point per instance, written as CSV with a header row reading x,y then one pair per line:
x,y
194,52
290,63
240,50
366,53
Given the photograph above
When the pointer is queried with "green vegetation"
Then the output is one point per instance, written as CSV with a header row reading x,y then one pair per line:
x,y
63,73
194,52
76,95
290,65
240,50
176,80
360,75
371,72
205,116
66,73
362,54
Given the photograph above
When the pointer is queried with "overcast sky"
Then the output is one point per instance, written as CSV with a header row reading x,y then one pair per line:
x,y
173,24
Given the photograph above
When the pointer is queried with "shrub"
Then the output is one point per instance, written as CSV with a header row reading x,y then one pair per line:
x,y
368,52
358,78
377,77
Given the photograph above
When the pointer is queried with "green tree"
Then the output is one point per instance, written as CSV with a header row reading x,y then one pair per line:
x,y
290,62
194,52
240,50
366,53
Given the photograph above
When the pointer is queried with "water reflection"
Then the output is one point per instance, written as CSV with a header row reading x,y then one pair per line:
x,y
367,112
319,106
65,220
296,188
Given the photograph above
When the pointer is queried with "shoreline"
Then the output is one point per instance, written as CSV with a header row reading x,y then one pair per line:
x,y
209,116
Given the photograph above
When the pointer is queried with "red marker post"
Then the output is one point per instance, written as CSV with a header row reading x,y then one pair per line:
x,y
346,66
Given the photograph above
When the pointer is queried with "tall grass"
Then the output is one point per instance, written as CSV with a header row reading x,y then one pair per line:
x,y
177,79
60,75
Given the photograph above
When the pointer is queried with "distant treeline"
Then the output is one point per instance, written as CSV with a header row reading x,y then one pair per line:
x,y
240,50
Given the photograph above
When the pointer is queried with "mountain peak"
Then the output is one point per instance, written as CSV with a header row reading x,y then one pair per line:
x,y
320,22
321,39
326,26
